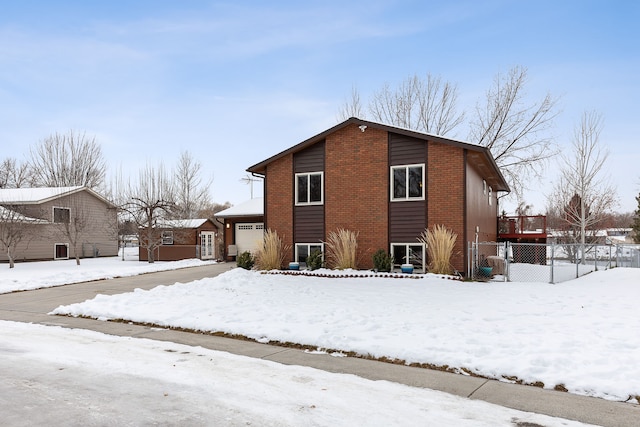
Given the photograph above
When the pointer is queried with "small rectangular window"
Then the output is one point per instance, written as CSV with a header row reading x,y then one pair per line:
x,y
303,250
490,196
408,253
167,237
309,188
407,182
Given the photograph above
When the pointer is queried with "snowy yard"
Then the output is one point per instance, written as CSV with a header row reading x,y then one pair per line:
x,y
581,335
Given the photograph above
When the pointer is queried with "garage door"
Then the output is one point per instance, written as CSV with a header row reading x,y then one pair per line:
x,y
249,236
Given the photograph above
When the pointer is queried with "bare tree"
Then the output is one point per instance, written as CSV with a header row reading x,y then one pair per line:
x,y
71,159
191,192
583,195
14,174
424,104
73,220
150,202
515,131
351,107
15,229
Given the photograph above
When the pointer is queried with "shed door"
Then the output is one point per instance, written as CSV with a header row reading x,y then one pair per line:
x,y
249,236
207,244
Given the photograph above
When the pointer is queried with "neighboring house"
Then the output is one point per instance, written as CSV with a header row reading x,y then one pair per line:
x,y
386,183
183,239
243,227
57,217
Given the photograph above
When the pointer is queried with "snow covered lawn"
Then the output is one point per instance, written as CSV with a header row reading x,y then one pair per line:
x,y
581,334
44,274
59,376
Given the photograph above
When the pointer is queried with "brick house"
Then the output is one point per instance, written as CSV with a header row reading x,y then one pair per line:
x,y
386,183
181,239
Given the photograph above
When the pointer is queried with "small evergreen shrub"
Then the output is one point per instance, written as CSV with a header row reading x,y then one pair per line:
x,y
245,260
382,261
314,261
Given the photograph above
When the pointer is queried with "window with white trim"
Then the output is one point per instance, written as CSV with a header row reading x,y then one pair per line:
x,y
167,237
310,188
408,253
484,187
407,182
303,250
490,196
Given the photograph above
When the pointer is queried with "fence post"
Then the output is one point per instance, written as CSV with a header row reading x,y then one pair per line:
x,y
507,248
553,253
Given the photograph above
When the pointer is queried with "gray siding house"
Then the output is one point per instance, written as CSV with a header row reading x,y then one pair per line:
x,y
57,222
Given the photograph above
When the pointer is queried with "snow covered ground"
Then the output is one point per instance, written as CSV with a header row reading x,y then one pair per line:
x,y
56,376
34,275
580,334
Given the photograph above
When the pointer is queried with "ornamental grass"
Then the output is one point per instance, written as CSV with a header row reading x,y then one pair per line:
x,y
342,246
440,242
271,254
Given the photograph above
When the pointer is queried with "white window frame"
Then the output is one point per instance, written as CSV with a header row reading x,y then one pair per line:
x,y
167,237
484,187
53,214
407,197
308,245
308,175
55,251
490,196
407,245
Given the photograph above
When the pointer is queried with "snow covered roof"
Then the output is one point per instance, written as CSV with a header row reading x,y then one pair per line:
x,y
184,223
253,207
28,196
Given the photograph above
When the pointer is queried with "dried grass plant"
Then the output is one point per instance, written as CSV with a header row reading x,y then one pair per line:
x,y
342,246
271,254
440,242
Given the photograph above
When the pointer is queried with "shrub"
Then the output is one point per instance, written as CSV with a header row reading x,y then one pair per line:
x,y
271,254
245,260
382,261
440,242
342,246
314,261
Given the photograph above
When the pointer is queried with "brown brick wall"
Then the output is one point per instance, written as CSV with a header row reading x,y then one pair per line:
x,y
279,200
357,189
445,186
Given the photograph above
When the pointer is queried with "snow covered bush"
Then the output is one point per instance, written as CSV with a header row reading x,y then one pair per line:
x,y
440,242
342,246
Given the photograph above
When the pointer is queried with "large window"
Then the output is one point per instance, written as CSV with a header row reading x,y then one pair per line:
x,y
61,215
303,250
309,188
408,253
407,182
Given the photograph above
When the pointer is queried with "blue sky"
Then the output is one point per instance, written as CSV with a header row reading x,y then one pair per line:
x,y
235,82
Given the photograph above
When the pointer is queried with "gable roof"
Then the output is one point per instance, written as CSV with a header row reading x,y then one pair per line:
x,y
38,195
253,207
479,155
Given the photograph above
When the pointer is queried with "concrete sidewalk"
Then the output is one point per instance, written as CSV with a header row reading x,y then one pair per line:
x,y
33,306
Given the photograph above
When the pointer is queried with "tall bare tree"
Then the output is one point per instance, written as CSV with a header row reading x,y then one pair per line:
x,y
583,193
425,104
14,174
148,203
515,130
71,159
191,192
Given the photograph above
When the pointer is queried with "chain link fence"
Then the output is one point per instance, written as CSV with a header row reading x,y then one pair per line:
x,y
545,262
